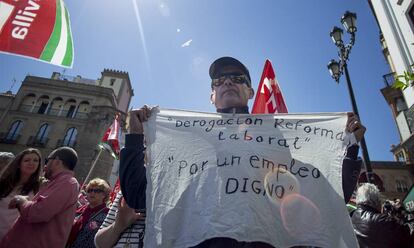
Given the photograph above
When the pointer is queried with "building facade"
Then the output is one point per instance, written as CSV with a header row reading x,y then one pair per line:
x,y
395,19
47,113
394,179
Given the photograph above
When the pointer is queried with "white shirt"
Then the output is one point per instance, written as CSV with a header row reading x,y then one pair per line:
x,y
9,216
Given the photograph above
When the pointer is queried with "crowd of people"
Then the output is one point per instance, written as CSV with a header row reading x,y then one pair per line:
x,y
380,227
39,204
45,210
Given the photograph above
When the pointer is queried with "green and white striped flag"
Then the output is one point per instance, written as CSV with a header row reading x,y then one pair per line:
x,y
37,29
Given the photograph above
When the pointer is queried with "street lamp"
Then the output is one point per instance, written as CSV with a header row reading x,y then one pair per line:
x,y
337,68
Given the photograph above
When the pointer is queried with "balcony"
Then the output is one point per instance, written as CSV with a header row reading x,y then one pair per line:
x,y
389,79
34,141
54,112
9,140
60,143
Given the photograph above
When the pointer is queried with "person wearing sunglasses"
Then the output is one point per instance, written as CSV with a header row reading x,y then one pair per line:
x,y
91,216
46,220
231,90
231,86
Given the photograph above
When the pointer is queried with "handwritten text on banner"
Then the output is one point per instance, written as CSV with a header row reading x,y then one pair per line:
x,y
268,178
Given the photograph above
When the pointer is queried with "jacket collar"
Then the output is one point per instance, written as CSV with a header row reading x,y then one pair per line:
x,y
368,208
234,110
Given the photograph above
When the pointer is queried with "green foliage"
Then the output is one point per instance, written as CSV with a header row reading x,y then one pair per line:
x,y
404,81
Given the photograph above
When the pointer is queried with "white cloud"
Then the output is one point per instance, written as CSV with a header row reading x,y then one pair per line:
x,y
187,43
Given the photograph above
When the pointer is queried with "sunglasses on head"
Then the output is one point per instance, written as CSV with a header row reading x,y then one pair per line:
x,y
95,191
236,78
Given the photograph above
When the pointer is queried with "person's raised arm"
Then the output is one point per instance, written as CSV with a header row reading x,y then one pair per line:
x,y
131,169
351,166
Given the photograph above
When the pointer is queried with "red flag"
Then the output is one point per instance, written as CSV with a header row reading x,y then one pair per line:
x,y
112,134
269,98
115,190
111,137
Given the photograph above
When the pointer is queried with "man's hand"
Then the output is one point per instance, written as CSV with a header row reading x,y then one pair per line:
x,y
126,216
17,201
107,237
137,117
353,125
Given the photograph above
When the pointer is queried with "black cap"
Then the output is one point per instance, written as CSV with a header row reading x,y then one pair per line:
x,y
226,61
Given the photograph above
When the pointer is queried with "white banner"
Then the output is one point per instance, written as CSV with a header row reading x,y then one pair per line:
x,y
270,178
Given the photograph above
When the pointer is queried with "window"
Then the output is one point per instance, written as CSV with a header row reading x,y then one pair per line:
x,y
42,108
14,130
112,81
411,16
400,104
71,111
70,108
70,137
41,136
401,186
400,156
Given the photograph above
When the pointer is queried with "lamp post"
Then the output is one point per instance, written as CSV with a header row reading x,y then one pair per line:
x,y
338,68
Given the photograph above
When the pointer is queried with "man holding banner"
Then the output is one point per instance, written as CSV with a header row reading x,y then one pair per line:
x,y
194,206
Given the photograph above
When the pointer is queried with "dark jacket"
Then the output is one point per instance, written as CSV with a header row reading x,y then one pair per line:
x,y
132,174
374,229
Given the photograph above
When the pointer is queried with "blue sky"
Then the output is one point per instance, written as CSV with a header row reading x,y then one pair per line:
x,y
294,35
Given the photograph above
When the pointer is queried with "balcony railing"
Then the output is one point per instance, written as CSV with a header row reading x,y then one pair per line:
x,y
60,143
389,79
78,79
54,112
80,115
36,142
9,140
26,108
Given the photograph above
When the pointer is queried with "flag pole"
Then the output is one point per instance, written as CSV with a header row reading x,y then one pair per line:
x,y
93,166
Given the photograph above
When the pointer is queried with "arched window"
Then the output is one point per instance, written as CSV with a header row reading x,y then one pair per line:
x,y
14,130
69,108
28,103
41,136
43,104
70,137
56,106
82,110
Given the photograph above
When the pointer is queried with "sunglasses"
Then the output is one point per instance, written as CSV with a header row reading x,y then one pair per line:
x,y
235,78
95,191
48,159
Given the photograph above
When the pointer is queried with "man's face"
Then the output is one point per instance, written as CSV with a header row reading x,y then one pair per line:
x,y
51,166
230,94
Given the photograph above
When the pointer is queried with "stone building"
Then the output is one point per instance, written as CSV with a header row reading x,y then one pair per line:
x,y
395,19
47,113
394,179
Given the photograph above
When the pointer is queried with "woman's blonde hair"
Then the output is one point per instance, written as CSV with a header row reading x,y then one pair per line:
x,y
101,184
